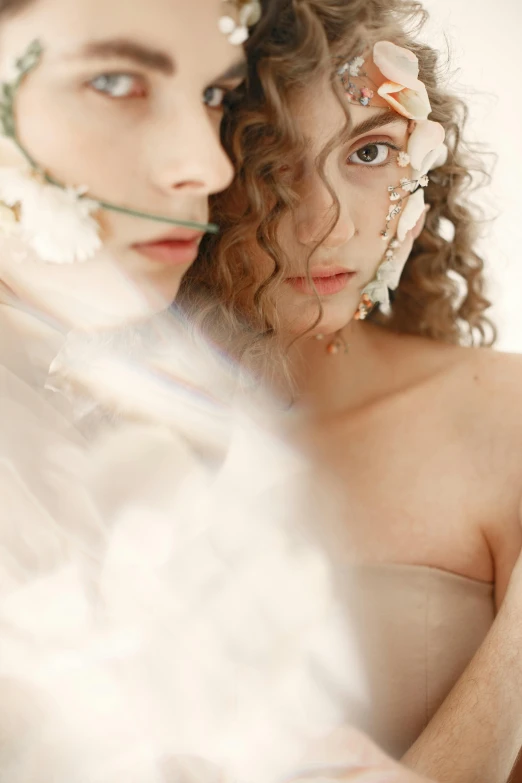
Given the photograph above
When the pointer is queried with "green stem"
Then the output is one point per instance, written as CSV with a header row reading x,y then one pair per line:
x,y
208,228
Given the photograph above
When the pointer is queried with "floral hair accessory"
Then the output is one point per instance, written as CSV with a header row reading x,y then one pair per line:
x,y
249,15
401,88
55,220
389,78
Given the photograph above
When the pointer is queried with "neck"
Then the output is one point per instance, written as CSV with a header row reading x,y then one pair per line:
x,y
333,382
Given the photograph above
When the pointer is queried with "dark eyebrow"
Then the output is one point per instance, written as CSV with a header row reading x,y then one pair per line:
x,y
130,50
385,117
237,70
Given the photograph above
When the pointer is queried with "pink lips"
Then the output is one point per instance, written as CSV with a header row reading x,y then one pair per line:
x,y
326,280
179,247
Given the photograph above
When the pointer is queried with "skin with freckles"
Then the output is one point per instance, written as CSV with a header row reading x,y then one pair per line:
x,y
122,103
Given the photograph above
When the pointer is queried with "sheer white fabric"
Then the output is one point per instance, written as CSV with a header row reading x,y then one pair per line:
x,y
161,595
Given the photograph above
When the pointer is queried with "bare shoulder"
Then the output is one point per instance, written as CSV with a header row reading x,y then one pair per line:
x,y
497,374
496,406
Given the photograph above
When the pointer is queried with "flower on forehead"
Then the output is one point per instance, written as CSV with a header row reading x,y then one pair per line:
x,y
401,88
57,223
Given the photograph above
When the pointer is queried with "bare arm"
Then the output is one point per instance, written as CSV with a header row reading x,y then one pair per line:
x,y
476,735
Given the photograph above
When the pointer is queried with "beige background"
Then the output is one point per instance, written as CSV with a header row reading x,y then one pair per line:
x,y
485,43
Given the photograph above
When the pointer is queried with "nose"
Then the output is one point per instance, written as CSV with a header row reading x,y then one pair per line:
x,y
190,158
317,213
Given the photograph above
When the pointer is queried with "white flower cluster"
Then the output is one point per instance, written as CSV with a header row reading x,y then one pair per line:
x,y
57,223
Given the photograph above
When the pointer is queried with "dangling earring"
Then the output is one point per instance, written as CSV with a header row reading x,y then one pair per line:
x,y
336,345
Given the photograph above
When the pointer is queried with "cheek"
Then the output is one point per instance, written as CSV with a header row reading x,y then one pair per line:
x,y
77,146
371,206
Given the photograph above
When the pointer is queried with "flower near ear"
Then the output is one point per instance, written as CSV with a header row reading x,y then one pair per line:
x,y
410,214
402,88
57,223
426,148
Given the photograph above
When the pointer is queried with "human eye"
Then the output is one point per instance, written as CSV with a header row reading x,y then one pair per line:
x,y
372,154
119,85
214,97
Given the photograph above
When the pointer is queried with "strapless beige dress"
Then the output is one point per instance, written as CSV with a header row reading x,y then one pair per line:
x,y
418,628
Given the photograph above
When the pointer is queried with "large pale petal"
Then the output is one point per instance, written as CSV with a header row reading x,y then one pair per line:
x,y
413,104
412,212
440,158
396,64
427,138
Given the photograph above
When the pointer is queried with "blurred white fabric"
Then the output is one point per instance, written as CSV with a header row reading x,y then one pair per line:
x,y
159,600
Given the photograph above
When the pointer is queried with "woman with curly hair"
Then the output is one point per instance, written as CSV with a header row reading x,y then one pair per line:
x,y
350,247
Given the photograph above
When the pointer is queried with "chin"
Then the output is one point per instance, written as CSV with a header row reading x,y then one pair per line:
x,y
335,317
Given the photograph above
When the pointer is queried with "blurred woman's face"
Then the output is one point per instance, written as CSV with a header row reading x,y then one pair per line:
x,y
359,170
127,101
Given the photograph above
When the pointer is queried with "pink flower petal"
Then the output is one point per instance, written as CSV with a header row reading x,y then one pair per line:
x,y
425,139
440,158
396,64
413,104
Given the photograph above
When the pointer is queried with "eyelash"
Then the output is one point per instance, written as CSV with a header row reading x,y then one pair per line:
x,y
387,162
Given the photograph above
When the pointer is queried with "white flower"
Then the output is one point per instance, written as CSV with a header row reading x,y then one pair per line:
x,y
238,36
401,89
56,222
355,65
411,213
403,159
378,291
409,185
426,147
226,25
250,13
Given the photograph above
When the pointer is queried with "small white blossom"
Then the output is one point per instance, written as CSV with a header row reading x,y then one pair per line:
x,y
403,159
226,25
355,65
412,212
238,36
56,222
409,185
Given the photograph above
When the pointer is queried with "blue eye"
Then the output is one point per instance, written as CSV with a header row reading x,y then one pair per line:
x,y
119,85
213,97
371,155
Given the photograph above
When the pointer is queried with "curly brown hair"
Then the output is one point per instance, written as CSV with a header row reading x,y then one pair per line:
x,y
442,291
